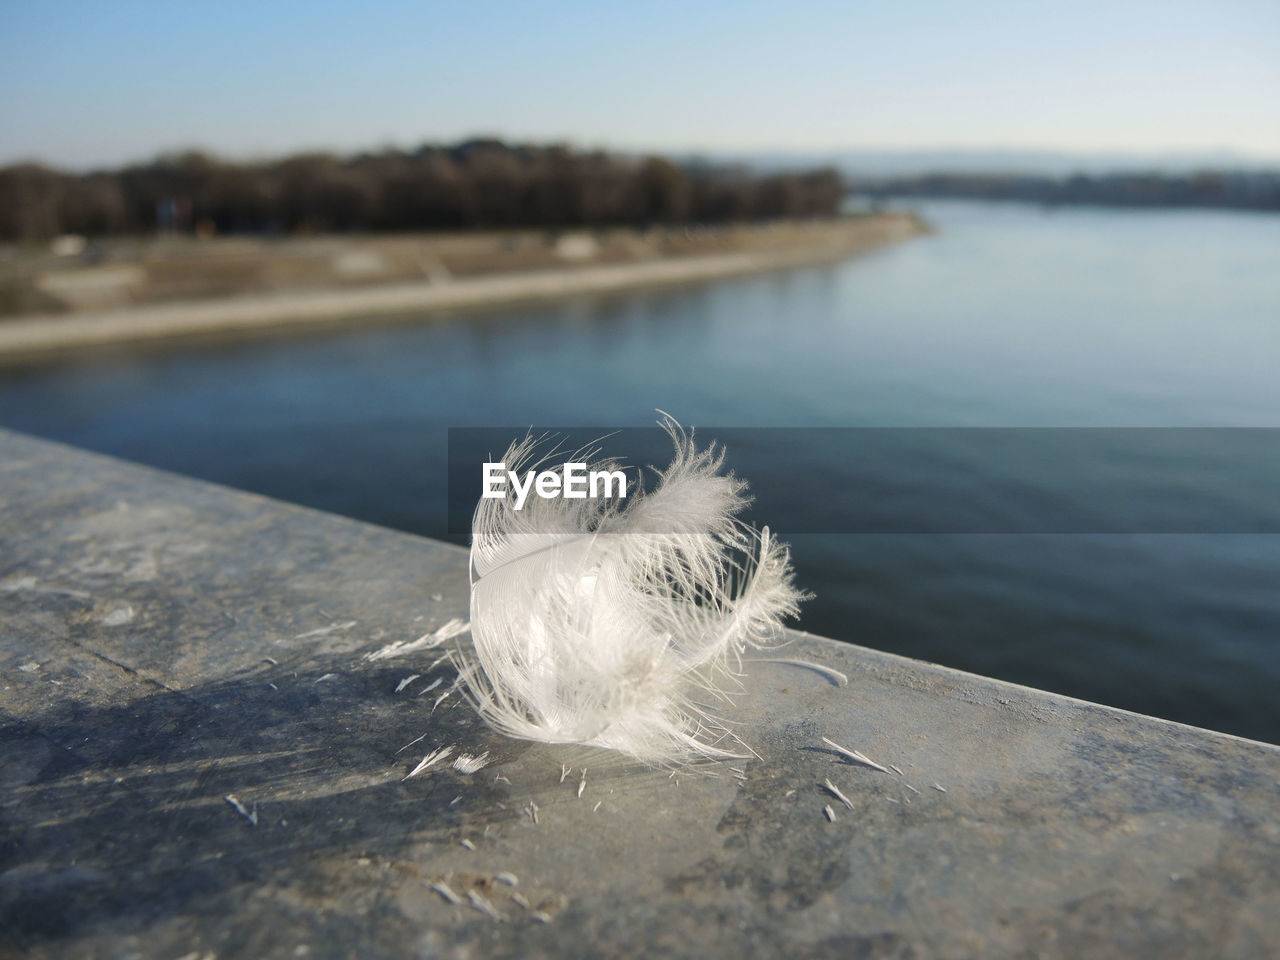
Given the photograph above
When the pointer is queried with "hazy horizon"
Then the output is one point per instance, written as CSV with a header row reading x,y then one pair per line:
x,y
89,86
868,161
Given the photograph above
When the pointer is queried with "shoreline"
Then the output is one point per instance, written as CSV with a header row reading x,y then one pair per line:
x,y
29,337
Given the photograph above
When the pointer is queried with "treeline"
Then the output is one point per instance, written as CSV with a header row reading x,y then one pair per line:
x,y
479,183
1242,190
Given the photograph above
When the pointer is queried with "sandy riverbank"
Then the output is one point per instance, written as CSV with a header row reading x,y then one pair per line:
x,y
507,277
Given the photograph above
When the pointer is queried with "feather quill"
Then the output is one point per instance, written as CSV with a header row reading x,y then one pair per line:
x,y
620,624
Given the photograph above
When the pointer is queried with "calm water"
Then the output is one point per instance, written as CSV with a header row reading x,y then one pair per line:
x,y
1007,317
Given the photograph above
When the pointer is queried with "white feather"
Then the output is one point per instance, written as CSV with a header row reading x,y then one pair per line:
x,y
619,624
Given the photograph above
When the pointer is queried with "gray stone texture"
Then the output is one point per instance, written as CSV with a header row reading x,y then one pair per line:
x,y
138,611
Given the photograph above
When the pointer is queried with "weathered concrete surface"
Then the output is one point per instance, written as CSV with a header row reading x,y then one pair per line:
x,y
137,613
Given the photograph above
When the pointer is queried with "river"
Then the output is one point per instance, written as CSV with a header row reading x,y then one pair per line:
x,y
1008,316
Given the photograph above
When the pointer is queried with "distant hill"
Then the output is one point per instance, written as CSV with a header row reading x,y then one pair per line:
x,y
862,164
1218,179
1221,189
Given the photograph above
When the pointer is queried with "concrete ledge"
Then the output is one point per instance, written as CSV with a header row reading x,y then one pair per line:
x,y
166,644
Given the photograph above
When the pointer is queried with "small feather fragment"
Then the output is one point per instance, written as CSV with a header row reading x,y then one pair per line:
x,y
469,764
442,888
431,686
399,648
509,879
831,814
325,631
939,789
240,808
468,844
434,757
855,756
483,905
444,696
410,744
835,792
406,681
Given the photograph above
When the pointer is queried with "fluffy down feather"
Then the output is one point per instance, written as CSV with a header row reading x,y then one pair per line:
x,y
620,624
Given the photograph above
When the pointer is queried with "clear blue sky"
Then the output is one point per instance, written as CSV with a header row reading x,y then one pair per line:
x,y
91,83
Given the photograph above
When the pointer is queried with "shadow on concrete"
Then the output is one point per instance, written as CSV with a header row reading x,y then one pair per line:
x,y
116,811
